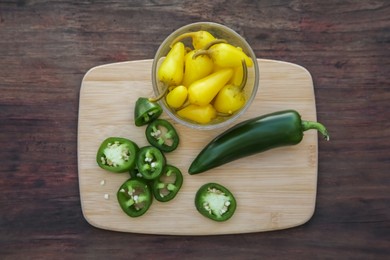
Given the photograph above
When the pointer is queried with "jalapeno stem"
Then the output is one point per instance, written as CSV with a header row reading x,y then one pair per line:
x,y
307,125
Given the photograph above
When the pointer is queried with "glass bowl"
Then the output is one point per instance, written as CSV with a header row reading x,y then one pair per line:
x,y
221,32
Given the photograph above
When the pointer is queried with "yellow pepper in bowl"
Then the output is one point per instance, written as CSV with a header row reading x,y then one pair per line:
x,y
202,91
200,114
231,97
172,68
196,68
225,55
199,38
177,96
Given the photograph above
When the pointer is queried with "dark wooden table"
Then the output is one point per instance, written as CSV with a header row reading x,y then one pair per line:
x,y
46,48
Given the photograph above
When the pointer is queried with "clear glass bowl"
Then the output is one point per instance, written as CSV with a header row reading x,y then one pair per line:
x,y
221,32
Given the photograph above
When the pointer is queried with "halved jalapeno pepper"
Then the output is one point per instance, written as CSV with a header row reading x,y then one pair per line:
x,y
150,162
134,197
168,184
146,111
161,134
215,202
117,154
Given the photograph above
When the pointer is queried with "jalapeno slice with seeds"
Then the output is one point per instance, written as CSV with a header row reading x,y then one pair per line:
x,y
161,134
150,162
146,111
168,184
117,154
134,197
215,202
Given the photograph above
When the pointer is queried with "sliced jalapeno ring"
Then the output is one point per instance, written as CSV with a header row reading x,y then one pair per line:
x,y
215,202
117,154
161,134
146,111
134,197
168,184
150,162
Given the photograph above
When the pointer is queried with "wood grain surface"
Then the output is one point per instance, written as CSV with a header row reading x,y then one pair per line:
x,y
274,190
46,48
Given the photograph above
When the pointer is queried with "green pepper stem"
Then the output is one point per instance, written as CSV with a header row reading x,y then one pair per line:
x,y
307,125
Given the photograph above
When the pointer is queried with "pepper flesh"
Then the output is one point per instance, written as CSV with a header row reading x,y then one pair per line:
x,y
117,154
146,111
168,184
161,134
254,136
134,197
215,202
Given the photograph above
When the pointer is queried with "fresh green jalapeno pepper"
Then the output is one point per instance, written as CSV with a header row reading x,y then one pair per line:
x,y
215,202
117,154
254,136
134,197
168,184
150,162
146,111
161,134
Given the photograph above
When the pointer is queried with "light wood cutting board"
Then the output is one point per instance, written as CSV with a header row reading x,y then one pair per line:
x,y
274,190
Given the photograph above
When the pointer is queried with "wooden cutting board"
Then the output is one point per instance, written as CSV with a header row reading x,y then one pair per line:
x,y
274,190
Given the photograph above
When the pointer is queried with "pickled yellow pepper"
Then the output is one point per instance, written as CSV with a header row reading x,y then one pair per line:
x,y
177,96
202,91
196,68
231,97
199,114
225,55
171,70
